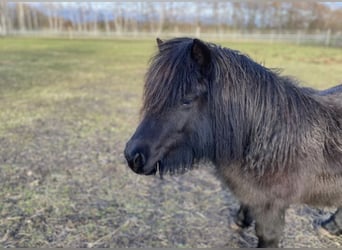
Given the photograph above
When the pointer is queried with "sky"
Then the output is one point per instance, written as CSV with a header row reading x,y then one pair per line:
x,y
130,8
334,5
103,5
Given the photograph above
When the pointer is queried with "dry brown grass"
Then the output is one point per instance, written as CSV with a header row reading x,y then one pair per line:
x,y
67,109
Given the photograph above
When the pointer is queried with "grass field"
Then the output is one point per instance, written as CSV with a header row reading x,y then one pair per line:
x,y
67,107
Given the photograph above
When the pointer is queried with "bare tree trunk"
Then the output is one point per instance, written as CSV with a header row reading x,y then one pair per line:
x,y
54,17
118,20
21,16
135,21
142,10
125,21
94,11
161,19
50,16
3,17
252,9
83,19
28,17
95,22
57,22
106,23
173,18
35,20
265,10
217,18
60,21
150,11
79,20
11,17
237,16
198,20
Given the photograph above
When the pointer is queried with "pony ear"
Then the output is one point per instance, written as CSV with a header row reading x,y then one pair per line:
x,y
159,42
200,52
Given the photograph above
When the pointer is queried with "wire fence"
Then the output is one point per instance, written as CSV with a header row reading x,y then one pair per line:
x,y
299,37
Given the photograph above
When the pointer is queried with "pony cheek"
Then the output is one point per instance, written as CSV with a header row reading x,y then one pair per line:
x,y
178,122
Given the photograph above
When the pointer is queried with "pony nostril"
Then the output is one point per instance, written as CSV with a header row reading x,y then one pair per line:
x,y
136,156
139,160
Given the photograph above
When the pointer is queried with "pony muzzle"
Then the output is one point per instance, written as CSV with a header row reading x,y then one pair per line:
x,y
137,158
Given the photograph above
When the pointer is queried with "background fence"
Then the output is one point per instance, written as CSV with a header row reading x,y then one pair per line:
x,y
299,37
296,22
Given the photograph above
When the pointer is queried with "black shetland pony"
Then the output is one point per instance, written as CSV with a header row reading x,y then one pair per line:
x,y
272,142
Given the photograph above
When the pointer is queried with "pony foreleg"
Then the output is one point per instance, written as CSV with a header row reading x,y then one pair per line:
x,y
334,224
269,225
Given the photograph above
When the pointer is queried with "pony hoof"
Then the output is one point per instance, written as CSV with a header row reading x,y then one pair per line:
x,y
243,222
243,219
235,226
330,227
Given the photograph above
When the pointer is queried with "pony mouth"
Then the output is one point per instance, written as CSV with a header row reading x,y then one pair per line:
x,y
157,168
152,170
161,169
168,165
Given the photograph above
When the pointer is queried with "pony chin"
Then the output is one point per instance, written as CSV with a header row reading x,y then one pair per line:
x,y
177,161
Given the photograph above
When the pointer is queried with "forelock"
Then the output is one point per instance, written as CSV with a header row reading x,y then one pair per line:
x,y
170,77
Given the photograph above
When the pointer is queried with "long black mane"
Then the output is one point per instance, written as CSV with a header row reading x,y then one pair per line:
x,y
259,118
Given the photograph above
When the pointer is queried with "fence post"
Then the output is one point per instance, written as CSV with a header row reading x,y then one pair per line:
x,y
70,33
198,32
327,37
299,37
272,36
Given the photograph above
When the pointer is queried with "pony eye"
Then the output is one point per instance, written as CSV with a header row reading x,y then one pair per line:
x,y
186,102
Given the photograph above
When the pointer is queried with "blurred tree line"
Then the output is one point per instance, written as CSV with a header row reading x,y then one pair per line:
x,y
210,17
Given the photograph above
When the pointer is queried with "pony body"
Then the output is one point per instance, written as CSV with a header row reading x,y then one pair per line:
x,y
273,142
